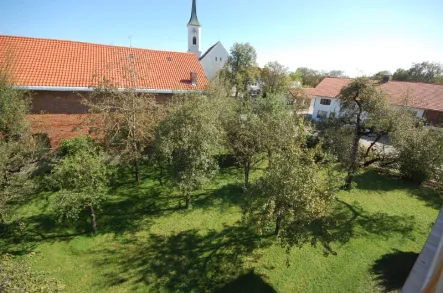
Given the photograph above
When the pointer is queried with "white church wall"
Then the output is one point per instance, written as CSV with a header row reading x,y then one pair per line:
x,y
214,60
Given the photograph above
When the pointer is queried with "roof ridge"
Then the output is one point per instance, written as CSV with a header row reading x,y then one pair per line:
x,y
95,44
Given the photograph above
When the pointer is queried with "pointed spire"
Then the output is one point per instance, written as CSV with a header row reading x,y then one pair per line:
x,y
194,18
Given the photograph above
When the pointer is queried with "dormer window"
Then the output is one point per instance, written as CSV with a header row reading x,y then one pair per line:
x,y
194,41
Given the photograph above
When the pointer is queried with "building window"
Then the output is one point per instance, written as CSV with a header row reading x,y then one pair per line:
x,y
215,58
221,59
194,41
322,114
325,102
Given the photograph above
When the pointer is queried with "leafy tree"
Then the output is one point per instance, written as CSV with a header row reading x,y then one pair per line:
x,y
426,72
275,78
380,75
241,68
187,140
292,198
364,111
80,179
18,149
124,120
244,129
16,276
311,77
276,124
419,153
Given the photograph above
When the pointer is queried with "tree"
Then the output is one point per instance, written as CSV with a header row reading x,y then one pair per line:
x,y
277,124
419,153
275,78
244,128
311,77
427,72
292,197
364,111
241,68
126,121
18,149
80,179
381,74
187,140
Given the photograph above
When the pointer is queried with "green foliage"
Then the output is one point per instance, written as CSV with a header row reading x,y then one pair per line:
x,y
187,140
244,135
420,154
311,77
241,68
16,276
380,75
76,145
292,198
17,148
124,120
427,72
275,78
80,178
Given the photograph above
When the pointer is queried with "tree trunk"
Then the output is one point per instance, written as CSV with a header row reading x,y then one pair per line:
x,y
94,223
188,201
354,151
278,225
1,219
269,158
353,164
137,171
247,168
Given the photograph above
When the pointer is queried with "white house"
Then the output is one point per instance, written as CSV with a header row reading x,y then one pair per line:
x,y
215,57
426,100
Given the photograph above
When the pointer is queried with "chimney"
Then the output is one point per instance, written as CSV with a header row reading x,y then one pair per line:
x,y
194,78
386,78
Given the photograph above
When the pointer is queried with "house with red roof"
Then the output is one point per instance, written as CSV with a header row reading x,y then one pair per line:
x,y
425,100
59,72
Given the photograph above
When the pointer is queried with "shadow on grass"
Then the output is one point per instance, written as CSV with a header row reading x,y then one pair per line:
x,y
372,180
185,262
392,269
247,283
351,220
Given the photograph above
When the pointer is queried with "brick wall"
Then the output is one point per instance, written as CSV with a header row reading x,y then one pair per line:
x,y
52,102
57,114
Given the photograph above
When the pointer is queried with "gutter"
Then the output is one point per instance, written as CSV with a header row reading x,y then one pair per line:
x,y
90,89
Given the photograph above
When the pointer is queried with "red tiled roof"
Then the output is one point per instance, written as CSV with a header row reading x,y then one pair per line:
x,y
302,93
418,95
57,63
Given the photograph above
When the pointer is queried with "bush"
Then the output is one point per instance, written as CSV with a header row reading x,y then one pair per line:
x,y
420,155
75,145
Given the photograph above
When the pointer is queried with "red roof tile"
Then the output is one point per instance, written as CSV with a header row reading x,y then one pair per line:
x,y
57,63
418,95
302,93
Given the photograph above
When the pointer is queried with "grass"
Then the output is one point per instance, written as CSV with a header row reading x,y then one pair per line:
x,y
149,243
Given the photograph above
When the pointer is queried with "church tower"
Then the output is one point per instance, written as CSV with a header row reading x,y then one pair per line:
x,y
194,32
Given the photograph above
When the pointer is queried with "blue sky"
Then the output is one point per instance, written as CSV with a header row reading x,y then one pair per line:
x,y
359,37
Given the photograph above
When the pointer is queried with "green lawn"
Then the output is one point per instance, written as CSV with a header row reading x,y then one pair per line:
x,y
149,243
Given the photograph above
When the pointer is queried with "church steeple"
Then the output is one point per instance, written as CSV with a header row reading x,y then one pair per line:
x,y
194,18
194,32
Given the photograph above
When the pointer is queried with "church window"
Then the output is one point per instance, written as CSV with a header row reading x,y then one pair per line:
x,y
194,41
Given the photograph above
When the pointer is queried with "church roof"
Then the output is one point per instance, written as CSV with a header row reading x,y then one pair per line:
x,y
50,63
194,18
209,50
